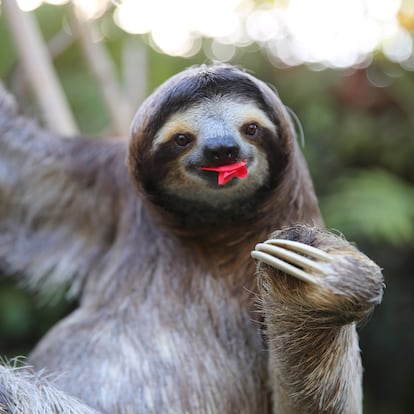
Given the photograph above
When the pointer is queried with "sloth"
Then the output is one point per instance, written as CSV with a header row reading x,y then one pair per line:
x,y
206,280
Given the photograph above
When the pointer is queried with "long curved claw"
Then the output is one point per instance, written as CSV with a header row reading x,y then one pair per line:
x,y
302,248
284,267
283,255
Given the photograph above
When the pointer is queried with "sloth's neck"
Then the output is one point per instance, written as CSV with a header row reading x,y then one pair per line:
x,y
217,231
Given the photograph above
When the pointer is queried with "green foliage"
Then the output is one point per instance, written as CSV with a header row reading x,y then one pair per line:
x,y
13,311
371,203
22,321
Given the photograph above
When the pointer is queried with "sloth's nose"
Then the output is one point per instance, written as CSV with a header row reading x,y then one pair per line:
x,y
221,151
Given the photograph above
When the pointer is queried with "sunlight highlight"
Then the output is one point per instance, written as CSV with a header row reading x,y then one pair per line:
x,y
325,33
56,2
332,33
175,25
90,9
29,5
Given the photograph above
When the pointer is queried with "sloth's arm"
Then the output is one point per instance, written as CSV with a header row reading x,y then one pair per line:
x,y
59,200
312,299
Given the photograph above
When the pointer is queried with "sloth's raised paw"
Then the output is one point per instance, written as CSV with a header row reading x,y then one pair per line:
x,y
311,268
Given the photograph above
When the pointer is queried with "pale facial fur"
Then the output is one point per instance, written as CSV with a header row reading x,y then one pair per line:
x,y
215,118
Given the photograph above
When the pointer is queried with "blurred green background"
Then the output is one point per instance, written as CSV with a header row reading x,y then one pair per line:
x,y
358,127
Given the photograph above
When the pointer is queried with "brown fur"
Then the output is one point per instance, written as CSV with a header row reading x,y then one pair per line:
x,y
167,321
317,324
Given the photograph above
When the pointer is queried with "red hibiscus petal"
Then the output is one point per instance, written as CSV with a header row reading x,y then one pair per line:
x,y
229,171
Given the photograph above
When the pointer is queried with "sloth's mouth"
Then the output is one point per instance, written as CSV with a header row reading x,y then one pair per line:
x,y
229,171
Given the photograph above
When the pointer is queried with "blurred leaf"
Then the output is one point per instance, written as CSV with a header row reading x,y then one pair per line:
x,y
374,204
14,311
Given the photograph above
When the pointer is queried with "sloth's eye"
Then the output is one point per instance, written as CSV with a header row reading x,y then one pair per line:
x,y
251,129
182,139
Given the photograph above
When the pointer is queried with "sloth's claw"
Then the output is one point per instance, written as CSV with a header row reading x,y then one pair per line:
x,y
288,256
302,248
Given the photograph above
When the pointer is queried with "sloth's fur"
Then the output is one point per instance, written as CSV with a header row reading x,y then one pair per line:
x,y
173,317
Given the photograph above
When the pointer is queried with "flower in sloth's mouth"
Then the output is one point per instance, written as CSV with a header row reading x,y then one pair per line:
x,y
229,171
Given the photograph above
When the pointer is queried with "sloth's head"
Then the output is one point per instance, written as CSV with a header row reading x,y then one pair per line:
x,y
212,142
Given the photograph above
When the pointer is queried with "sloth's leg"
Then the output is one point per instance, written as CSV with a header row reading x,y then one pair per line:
x,y
315,287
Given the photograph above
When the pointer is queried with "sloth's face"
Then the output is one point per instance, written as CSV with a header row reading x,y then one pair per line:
x,y
211,145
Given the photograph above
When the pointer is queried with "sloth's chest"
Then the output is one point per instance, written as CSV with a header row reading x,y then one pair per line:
x,y
189,358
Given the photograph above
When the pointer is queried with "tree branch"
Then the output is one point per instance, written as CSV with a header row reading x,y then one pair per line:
x,y
104,73
39,69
